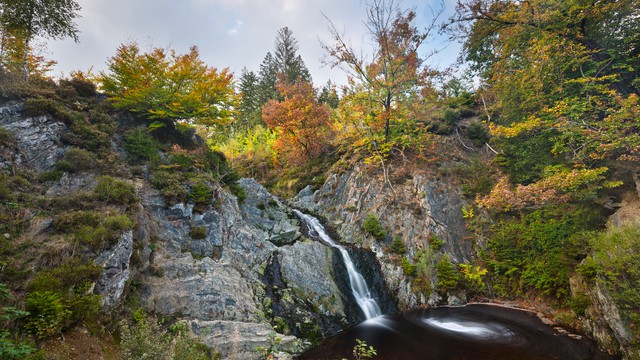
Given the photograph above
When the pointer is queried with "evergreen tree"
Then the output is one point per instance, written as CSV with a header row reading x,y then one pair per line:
x,y
249,110
289,64
329,95
268,75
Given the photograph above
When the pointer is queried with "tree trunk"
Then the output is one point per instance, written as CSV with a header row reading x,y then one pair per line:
x,y
387,115
25,60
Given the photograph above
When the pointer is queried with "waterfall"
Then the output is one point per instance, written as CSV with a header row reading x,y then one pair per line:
x,y
359,286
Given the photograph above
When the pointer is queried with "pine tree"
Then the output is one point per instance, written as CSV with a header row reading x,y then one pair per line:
x,y
249,110
268,75
289,64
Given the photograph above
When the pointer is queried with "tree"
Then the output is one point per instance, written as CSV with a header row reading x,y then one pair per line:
x,y
394,70
249,107
163,85
288,63
268,76
12,56
329,95
300,122
562,73
31,18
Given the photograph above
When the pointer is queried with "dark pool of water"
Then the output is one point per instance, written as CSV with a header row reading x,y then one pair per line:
x,y
470,332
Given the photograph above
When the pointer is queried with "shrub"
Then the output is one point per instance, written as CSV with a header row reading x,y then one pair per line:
x,y
407,267
198,232
82,87
478,133
71,282
540,249
11,349
144,340
7,139
616,254
114,191
451,117
83,134
170,186
140,146
76,160
238,191
53,175
68,222
435,242
47,314
448,276
200,193
373,227
397,246
38,106
118,223
99,231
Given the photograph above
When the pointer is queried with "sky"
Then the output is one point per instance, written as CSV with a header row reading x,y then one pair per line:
x,y
228,33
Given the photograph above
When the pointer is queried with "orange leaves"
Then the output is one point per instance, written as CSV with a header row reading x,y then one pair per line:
x,y
559,186
301,123
164,85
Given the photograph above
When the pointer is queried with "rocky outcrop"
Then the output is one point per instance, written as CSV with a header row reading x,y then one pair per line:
x,y
413,206
116,264
38,137
240,274
218,282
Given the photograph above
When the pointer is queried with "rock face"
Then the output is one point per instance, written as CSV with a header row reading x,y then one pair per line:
x,y
38,137
115,275
241,275
417,208
227,284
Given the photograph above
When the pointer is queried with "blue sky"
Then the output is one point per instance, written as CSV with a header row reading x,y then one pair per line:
x,y
228,33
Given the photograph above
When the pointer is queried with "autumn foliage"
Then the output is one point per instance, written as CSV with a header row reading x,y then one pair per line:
x,y
302,124
161,84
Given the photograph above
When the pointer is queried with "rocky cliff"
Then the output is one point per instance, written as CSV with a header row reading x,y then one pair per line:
x,y
415,206
240,274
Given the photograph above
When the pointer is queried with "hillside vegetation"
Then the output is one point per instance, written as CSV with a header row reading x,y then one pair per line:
x,y
549,130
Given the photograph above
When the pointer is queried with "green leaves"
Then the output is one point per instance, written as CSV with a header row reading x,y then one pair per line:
x,y
163,85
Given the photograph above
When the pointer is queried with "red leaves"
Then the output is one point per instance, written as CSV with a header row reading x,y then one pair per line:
x,y
302,124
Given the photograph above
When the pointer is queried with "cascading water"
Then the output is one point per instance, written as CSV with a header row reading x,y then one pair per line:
x,y
358,285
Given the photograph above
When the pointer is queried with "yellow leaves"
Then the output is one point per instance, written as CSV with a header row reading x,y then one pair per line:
x,y
558,186
166,85
473,274
516,128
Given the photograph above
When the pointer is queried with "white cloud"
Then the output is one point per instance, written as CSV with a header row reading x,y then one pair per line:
x,y
229,33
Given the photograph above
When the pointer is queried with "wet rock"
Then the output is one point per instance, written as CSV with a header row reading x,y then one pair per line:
x,y
418,207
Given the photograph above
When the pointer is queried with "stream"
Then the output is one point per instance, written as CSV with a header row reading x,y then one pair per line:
x,y
472,332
